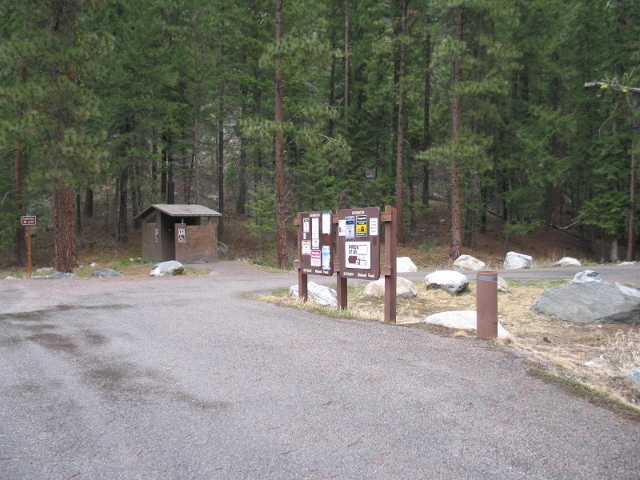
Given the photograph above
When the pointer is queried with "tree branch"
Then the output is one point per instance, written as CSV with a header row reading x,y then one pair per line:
x,y
612,86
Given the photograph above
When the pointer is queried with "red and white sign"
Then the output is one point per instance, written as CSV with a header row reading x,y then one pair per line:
x,y
27,220
316,258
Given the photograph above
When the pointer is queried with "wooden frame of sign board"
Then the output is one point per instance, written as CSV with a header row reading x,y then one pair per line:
x,y
350,269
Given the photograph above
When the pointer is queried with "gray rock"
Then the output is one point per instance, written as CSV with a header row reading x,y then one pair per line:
x,y
11,278
626,264
449,280
587,276
591,302
45,270
106,272
514,261
467,262
404,288
634,377
223,248
461,320
93,264
325,296
568,262
503,286
405,265
167,268
60,275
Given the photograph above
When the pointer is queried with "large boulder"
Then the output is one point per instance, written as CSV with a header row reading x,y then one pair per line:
x,y
106,272
325,296
449,280
503,286
61,275
587,276
634,377
461,320
467,262
590,302
568,262
405,265
514,261
167,268
404,288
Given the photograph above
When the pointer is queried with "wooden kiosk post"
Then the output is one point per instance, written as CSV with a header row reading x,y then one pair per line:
x,y
389,270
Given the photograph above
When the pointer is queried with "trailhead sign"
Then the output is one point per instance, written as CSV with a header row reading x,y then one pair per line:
x,y
359,243
316,243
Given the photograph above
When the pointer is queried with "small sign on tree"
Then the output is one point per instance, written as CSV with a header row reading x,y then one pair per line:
x,y
28,220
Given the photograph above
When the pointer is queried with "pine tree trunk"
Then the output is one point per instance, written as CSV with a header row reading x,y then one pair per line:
x,y
64,228
346,60
21,246
279,146
632,193
88,203
456,123
400,148
122,210
221,160
426,125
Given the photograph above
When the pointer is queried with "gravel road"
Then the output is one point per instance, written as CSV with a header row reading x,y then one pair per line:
x,y
183,377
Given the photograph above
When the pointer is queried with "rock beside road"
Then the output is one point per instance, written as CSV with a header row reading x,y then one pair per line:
x,y
514,261
404,288
462,320
449,280
106,272
167,268
467,262
405,265
591,302
568,262
324,296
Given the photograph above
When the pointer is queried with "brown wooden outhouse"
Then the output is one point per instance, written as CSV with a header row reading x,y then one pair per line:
x,y
186,233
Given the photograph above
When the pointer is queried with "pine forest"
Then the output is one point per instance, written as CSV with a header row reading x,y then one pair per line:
x,y
516,115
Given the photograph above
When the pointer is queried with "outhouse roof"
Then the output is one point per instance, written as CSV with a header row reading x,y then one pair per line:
x,y
181,210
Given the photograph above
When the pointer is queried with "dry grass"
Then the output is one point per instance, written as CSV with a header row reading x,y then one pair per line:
x,y
591,358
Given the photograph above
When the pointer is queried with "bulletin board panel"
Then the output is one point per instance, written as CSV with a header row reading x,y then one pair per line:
x,y
315,243
359,243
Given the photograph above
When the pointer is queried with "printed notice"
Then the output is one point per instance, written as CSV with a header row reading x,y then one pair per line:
x,y
350,227
373,227
306,247
305,225
342,228
316,258
361,226
315,234
326,223
358,255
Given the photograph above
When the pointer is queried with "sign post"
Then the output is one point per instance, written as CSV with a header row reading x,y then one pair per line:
x,y
28,221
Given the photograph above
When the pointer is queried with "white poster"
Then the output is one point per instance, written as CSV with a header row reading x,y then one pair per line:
x,y
306,247
326,223
342,228
358,255
373,227
315,232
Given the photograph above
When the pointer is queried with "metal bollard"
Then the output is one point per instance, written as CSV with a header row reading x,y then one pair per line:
x,y
487,304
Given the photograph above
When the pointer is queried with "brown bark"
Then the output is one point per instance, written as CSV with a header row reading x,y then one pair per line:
x,y
279,146
88,203
632,192
21,246
400,148
426,125
221,158
456,123
64,228
122,208
346,59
